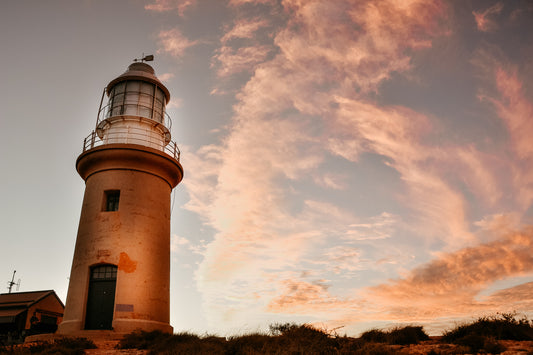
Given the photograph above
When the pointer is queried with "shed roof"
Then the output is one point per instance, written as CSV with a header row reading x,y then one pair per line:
x,y
24,299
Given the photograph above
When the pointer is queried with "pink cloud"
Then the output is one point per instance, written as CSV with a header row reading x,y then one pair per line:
x,y
232,61
170,5
242,2
165,77
516,112
484,19
174,43
395,133
448,285
322,76
331,181
244,28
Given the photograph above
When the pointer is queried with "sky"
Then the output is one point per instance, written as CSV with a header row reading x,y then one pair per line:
x,y
349,164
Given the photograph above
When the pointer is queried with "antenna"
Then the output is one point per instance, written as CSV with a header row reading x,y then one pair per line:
x,y
12,282
147,58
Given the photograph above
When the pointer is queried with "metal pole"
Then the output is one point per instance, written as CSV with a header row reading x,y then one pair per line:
x,y
12,282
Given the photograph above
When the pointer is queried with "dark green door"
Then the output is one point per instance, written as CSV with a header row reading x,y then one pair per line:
x,y
101,298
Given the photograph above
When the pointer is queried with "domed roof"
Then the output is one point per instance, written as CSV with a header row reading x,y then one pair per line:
x,y
139,71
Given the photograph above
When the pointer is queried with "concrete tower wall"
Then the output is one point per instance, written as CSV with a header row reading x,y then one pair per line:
x,y
135,238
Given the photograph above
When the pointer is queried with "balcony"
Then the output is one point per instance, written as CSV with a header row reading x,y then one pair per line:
x,y
131,135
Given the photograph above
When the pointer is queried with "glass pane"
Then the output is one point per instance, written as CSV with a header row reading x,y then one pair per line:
x,y
133,86
145,112
158,115
132,98
119,88
145,100
130,110
159,95
104,272
147,88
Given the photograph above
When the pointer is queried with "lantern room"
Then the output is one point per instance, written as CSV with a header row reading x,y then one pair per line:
x,y
135,111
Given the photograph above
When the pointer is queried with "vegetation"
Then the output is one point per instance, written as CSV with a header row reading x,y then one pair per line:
x,y
285,338
67,346
396,336
481,336
484,333
502,326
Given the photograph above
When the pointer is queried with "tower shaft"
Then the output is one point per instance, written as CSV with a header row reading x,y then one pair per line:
x,y
120,275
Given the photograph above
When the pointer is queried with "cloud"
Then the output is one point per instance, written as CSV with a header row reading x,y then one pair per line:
x,y
446,288
331,181
243,28
484,19
313,104
448,285
515,111
177,243
165,77
170,5
232,61
395,133
174,43
255,2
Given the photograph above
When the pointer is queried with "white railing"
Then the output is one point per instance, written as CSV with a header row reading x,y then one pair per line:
x,y
129,136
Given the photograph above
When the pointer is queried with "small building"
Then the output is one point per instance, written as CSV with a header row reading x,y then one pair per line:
x,y
26,313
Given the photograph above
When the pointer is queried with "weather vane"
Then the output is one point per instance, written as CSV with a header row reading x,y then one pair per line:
x,y
144,58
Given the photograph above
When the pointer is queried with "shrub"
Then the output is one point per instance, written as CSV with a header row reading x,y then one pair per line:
x,y
68,346
407,335
250,344
396,336
503,326
141,339
374,336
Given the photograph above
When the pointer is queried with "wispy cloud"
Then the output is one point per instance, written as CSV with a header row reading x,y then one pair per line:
x,y
314,97
244,28
320,61
485,19
174,42
230,61
170,5
448,285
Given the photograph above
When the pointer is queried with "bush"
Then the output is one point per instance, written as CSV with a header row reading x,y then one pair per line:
x,y
407,335
158,342
396,336
504,326
374,336
67,346
142,340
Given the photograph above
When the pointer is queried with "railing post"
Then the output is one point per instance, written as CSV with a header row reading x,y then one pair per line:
x,y
93,134
84,143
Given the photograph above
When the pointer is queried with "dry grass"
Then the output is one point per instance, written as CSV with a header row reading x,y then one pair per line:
x,y
500,334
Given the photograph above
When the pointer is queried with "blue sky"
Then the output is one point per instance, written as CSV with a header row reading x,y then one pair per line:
x,y
347,163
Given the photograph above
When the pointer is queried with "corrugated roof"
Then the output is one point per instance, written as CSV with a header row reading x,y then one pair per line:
x,y
10,312
22,299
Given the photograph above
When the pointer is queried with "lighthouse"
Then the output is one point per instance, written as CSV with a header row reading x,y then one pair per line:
x,y
120,275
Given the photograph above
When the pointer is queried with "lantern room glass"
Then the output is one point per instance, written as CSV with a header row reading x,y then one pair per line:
x,y
137,98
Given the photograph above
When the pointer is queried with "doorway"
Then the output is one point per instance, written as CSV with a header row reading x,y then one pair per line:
x,y
101,297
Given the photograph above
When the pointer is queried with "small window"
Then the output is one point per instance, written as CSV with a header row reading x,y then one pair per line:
x,y
111,199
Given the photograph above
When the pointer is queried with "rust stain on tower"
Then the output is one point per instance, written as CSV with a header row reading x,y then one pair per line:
x,y
122,255
126,264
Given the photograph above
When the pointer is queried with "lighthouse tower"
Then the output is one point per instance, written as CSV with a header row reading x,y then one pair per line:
x,y
121,267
